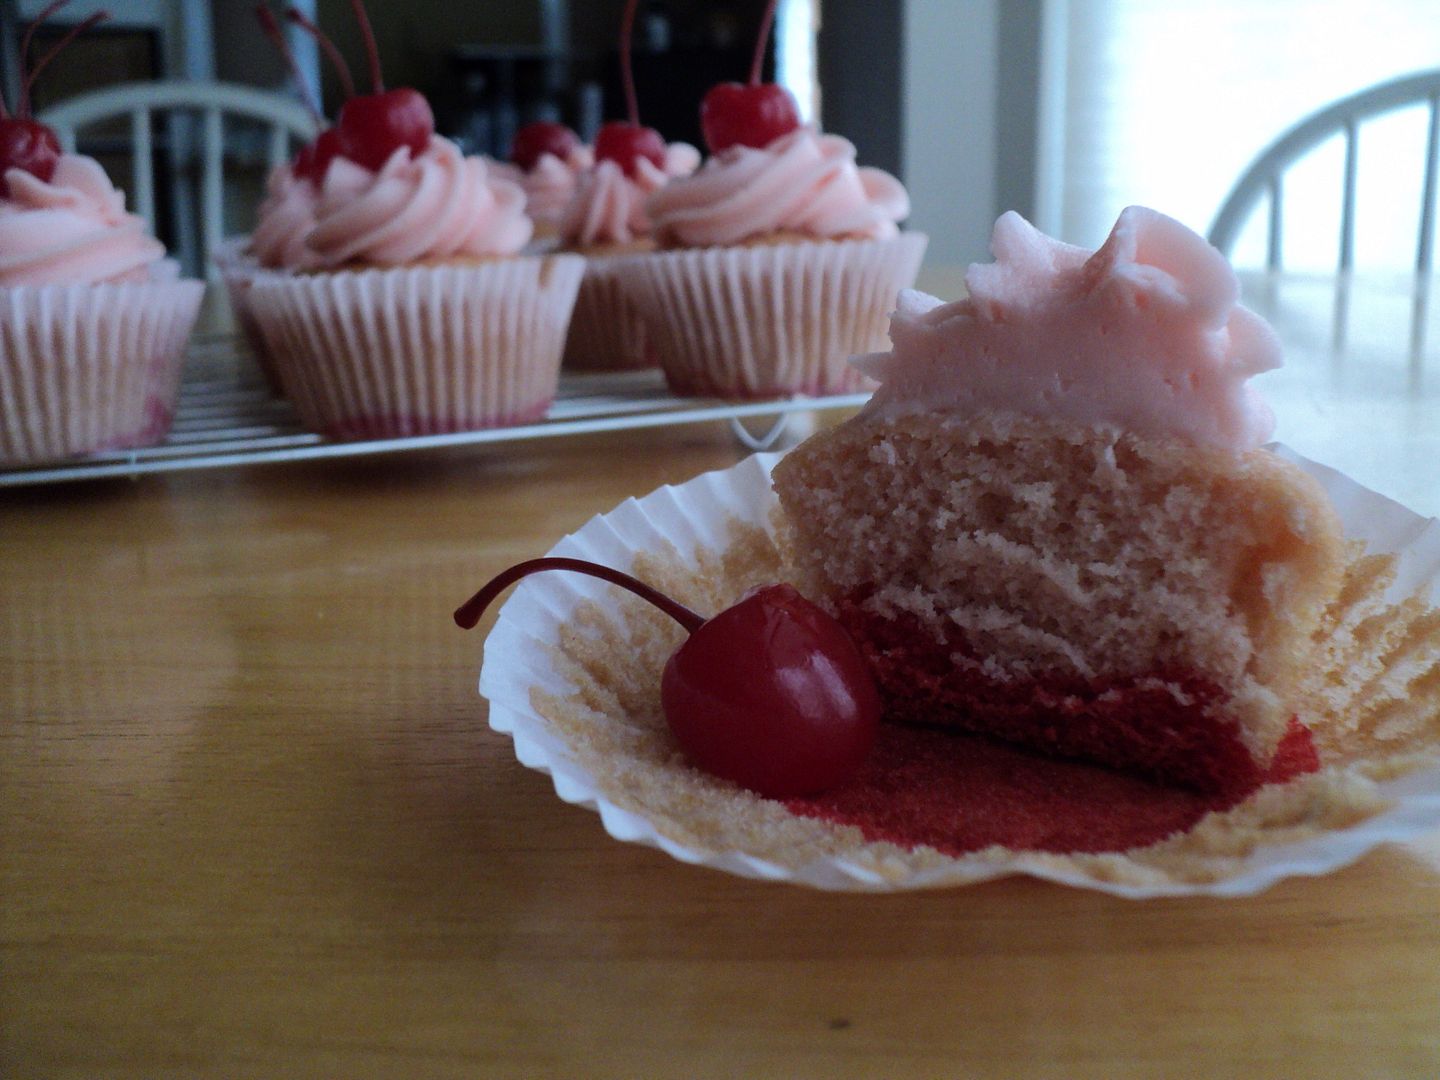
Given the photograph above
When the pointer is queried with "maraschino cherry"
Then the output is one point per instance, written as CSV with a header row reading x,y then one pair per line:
x,y
370,126
771,693
625,142
25,143
315,156
749,114
540,137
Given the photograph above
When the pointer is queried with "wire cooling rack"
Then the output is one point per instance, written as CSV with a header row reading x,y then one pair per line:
x,y
226,416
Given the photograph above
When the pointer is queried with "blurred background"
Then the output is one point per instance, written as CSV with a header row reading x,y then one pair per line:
x,y
1066,110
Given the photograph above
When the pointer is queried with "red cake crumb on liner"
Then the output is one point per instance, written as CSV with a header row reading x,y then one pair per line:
x,y
1035,821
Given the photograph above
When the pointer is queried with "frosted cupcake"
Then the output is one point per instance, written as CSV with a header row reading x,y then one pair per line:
x,y
93,318
780,262
547,160
606,222
409,310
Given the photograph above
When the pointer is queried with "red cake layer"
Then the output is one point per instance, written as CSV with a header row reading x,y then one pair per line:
x,y
962,793
1125,723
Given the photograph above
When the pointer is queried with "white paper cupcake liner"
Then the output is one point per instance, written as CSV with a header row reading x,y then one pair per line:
x,y
239,270
771,320
85,368
607,331
701,515
420,350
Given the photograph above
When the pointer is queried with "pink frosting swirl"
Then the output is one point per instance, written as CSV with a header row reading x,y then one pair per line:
x,y
550,183
73,228
803,182
284,220
608,207
1147,334
438,205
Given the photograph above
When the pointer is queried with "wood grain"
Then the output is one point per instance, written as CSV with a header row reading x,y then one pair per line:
x,y
252,824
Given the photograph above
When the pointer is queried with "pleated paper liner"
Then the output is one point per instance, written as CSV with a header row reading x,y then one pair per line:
x,y
771,319
607,331
420,350
238,270
85,368
571,671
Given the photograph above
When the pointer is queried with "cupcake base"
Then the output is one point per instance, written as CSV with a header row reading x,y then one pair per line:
x,y
420,350
771,320
86,368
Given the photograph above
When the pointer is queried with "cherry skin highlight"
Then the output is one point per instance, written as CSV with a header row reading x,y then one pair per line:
x,y
625,144
771,693
373,126
736,114
27,145
539,138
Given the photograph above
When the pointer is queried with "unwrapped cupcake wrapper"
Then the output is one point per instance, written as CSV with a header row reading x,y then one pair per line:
x,y
771,320
607,331
420,350
85,368
239,270
520,668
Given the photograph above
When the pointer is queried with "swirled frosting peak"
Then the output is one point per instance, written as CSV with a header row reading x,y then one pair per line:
x,y
284,220
436,205
608,207
803,182
73,228
1145,334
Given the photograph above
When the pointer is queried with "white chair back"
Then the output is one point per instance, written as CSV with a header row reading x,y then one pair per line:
x,y
287,121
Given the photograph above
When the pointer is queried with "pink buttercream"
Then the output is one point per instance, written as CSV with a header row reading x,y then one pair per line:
x,y
71,229
438,205
550,184
1145,334
803,182
608,207
284,220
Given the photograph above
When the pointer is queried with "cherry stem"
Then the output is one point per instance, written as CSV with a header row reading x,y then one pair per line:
x,y
342,69
372,51
25,41
23,109
627,74
760,42
277,38
469,613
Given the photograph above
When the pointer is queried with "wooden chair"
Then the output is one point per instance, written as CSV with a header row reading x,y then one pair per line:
x,y
1265,179
286,123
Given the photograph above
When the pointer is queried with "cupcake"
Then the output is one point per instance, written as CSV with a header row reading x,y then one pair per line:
x,y
405,308
1055,524
606,222
408,310
93,318
778,263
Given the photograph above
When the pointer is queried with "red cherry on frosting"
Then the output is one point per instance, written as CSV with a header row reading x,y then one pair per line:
x,y
542,137
27,145
737,114
625,144
373,126
771,693
313,160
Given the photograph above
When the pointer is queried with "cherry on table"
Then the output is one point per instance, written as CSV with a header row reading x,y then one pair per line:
x,y
541,137
771,693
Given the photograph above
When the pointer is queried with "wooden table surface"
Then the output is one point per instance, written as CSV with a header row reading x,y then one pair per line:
x,y
252,823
